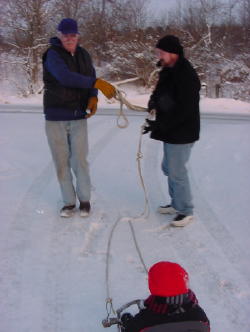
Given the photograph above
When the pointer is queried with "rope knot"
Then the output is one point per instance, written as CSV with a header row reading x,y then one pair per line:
x,y
139,155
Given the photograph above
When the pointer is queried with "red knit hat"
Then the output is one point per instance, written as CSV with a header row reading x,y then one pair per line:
x,y
167,279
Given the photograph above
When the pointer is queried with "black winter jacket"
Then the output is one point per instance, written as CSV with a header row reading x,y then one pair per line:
x,y
157,312
176,101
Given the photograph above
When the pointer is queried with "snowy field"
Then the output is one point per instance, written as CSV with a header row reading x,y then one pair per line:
x,y
52,270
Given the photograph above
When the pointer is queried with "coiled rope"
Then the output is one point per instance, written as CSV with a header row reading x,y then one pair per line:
x,y
120,97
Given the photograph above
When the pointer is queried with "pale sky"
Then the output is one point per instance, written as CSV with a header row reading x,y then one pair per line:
x,y
161,5
159,8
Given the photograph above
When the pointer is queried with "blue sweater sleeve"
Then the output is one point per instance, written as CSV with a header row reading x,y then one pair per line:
x,y
93,91
57,67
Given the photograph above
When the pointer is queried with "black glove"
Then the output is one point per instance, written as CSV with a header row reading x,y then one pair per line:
x,y
126,317
145,130
151,104
149,127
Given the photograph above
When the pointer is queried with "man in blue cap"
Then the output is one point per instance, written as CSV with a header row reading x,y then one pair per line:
x,y
70,89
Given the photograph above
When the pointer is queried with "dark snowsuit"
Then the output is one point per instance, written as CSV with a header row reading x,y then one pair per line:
x,y
159,312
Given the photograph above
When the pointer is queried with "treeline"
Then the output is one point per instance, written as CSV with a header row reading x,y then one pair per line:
x,y
121,35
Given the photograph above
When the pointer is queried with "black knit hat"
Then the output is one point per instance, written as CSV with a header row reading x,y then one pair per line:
x,y
170,44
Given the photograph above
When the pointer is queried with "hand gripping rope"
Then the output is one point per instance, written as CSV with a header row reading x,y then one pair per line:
x,y
120,96
117,320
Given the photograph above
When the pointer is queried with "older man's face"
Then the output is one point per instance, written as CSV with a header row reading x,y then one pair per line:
x,y
69,41
167,59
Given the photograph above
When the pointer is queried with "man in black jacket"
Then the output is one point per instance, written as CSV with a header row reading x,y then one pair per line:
x,y
176,104
70,90
171,301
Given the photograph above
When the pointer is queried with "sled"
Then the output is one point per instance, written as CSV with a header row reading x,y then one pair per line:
x,y
190,326
187,326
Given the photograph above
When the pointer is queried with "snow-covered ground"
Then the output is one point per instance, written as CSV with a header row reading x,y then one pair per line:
x,y
52,270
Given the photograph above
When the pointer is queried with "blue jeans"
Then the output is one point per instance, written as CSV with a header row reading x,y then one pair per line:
x,y
174,166
68,142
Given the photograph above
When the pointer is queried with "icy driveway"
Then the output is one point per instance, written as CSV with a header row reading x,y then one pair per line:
x,y
53,270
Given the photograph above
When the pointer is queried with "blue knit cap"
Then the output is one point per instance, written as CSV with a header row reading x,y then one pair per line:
x,y
67,25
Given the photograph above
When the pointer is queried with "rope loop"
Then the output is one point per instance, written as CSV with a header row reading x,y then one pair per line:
x,y
122,121
109,307
121,97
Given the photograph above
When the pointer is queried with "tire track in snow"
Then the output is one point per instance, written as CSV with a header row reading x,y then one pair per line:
x,y
25,231
16,250
206,249
218,231
205,212
86,232
98,146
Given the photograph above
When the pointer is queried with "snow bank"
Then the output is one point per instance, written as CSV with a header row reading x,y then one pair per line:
x,y
224,105
139,96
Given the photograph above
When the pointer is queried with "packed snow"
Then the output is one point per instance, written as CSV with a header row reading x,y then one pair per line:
x,y
53,270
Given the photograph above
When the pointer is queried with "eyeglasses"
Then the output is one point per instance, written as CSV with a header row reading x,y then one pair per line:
x,y
69,35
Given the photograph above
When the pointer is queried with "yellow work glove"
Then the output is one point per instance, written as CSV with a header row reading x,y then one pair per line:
x,y
92,106
106,88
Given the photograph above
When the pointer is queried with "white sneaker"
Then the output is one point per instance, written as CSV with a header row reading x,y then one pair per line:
x,y
84,209
67,211
181,220
84,214
167,209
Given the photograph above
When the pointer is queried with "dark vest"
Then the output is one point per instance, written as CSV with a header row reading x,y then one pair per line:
x,y
59,97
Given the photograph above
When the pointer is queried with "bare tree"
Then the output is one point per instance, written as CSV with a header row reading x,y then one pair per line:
x,y
132,59
26,21
68,8
107,20
115,32
244,13
197,25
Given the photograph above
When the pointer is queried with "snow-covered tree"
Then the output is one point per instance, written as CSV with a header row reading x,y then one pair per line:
x,y
215,33
131,59
25,26
245,21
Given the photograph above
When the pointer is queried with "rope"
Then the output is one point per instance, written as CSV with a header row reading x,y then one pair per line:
x,y
120,96
137,247
145,212
108,259
109,301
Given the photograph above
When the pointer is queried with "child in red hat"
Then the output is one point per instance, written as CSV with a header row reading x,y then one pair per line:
x,y
172,306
